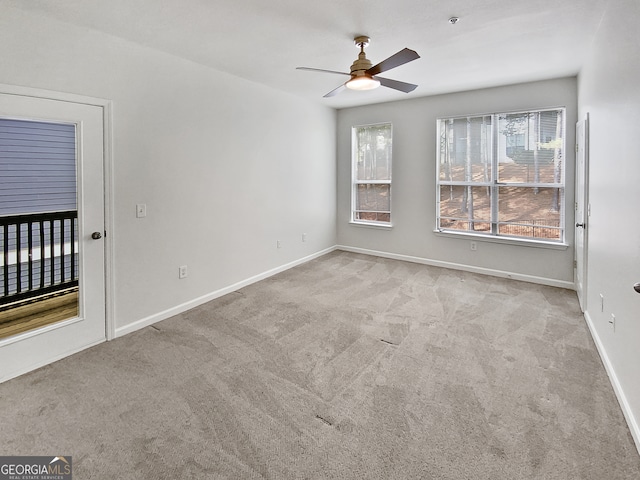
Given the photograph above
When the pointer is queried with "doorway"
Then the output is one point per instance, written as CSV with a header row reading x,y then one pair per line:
x,y
52,295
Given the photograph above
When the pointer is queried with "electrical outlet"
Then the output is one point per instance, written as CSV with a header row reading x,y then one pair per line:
x,y
474,246
278,244
612,322
304,237
182,271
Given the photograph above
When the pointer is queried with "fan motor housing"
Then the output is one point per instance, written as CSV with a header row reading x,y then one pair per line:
x,y
361,65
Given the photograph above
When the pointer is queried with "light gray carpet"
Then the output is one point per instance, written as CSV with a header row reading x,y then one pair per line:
x,y
347,367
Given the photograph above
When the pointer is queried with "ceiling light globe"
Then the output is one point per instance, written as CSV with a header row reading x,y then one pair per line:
x,y
363,82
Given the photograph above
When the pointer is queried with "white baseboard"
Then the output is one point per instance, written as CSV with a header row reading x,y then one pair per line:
x,y
458,266
617,388
157,317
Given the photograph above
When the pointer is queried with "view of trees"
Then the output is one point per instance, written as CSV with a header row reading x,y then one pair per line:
x,y
503,174
372,173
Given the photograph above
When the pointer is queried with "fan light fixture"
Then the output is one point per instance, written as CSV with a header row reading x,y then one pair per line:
x,y
363,82
364,75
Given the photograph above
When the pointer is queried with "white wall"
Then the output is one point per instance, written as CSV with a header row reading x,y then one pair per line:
x,y
413,189
225,166
609,92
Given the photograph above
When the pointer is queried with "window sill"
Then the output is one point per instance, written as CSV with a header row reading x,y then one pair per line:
x,y
525,242
382,226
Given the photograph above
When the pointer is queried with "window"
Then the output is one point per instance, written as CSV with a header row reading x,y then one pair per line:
x,y
371,174
502,175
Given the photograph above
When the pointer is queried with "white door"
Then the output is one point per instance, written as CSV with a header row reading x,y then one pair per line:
x,y
26,351
582,210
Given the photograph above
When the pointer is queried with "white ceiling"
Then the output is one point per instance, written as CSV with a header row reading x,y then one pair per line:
x,y
496,42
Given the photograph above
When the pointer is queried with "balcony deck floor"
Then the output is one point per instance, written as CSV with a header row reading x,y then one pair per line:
x,y
38,314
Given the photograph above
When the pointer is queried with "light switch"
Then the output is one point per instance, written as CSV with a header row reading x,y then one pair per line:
x,y
141,210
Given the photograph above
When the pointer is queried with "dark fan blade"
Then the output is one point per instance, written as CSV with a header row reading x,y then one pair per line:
x,y
320,70
400,58
397,85
335,91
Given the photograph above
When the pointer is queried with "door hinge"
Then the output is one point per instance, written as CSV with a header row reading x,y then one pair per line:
x,y
575,264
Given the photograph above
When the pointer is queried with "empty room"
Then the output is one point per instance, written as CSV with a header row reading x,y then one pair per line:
x,y
319,240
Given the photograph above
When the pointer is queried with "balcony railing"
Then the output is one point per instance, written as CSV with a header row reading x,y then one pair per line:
x,y
39,254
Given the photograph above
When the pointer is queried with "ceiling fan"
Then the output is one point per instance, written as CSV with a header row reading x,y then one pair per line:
x,y
365,77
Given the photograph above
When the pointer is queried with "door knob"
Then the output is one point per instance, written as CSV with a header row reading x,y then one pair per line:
x,y
580,225
636,287
96,235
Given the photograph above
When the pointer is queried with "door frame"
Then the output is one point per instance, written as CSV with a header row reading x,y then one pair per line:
x,y
107,148
582,260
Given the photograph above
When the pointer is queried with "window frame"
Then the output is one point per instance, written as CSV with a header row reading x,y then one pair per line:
x,y
495,184
355,182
